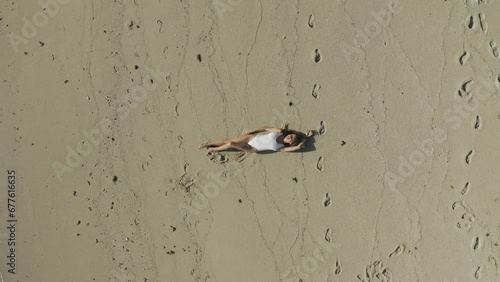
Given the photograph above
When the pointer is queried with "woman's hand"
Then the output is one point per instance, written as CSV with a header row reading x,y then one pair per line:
x,y
302,144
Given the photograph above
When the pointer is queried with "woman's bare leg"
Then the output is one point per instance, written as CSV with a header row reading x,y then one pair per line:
x,y
240,139
244,147
226,146
213,143
235,145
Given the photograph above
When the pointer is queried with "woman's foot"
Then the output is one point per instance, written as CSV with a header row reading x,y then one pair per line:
x,y
203,145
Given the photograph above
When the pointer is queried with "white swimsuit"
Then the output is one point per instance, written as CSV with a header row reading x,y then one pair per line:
x,y
265,142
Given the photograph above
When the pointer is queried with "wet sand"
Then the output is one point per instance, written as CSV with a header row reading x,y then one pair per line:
x,y
104,105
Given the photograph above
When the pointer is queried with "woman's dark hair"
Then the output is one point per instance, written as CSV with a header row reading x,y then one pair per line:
x,y
300,136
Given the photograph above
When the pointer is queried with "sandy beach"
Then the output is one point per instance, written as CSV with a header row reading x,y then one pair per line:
x,y
104,104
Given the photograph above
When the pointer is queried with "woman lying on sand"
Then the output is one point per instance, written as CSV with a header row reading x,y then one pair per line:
x,y
277,139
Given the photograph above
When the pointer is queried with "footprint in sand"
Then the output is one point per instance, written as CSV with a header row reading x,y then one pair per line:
x,y
477,123
217,158
338,267
315,90
240,157
180,139
466,189
328,235
493,261
469,156
327,201
482,22
468,217
310,22
476,243
465,89
464,226
319,165
464,58
322,128
470,23
385,276
494,48
160,23
398,251
466,86
477,273
185,182
317,56
463,204
463,94
375,271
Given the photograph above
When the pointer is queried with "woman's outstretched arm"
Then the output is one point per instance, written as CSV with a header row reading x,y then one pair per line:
x,y
261,129
291,148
